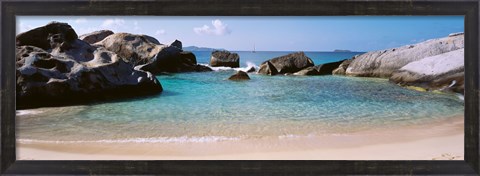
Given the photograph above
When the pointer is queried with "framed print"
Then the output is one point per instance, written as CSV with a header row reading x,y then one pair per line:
x,y
239,87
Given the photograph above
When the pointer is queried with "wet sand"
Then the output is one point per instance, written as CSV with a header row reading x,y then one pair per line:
x,y
440,140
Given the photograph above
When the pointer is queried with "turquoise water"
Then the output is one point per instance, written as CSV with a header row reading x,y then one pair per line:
x,y
199,107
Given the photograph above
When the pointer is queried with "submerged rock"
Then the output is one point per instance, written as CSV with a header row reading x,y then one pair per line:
x,y
240,75
289,63
224,59
383,63
72,71
441,72
251,69
96,36
323,69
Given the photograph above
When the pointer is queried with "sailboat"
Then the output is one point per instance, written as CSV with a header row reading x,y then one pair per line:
x,y
253,48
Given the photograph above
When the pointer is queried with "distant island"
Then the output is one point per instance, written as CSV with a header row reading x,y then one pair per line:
x,y
196,48
340,50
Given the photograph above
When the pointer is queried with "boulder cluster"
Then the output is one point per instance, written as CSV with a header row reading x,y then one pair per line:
x,y
55,67
296,64
436,64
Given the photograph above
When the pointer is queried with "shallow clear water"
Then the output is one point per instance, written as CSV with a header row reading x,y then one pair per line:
x,y
200,107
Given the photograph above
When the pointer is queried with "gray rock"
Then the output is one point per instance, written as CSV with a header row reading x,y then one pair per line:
x,y
96,36
341,69
74,72
313,70
182,62
290,63
323,69
136,49
177,44
147,54
240,75
224,59
39,37
267,68
443,72
251,69
384,62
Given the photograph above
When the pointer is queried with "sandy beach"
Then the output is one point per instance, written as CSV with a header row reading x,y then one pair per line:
x,y
439,140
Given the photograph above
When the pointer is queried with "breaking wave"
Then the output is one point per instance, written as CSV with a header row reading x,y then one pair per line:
x,y
183,139
245,69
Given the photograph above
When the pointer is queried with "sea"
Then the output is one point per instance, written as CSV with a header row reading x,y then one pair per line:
x,y
207,107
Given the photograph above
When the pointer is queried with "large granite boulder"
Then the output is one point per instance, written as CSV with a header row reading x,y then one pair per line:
x,y
96,36
146,53
323,69
240,75
286,64
72,72
440,72
39,37
136,49
383,63
224,59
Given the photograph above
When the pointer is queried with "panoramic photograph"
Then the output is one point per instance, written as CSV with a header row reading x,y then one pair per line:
x,y
240,88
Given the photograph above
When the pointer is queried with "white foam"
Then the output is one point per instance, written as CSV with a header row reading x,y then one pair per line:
x,y
183,139
461,97
290,136
27,112
245,69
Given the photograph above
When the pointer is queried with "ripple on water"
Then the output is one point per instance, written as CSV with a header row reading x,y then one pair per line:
x,y
196,105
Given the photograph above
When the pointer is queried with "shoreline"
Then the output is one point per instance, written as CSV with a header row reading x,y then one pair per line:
x,y
438,140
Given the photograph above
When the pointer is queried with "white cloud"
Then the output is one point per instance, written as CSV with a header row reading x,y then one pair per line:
x,y
113,24
81,20
160,32
217,28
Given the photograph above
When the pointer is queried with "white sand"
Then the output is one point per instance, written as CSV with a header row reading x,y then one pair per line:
x,y
439,140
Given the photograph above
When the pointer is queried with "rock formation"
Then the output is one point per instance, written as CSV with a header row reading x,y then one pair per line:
x,y
240,75
323,69
177,44
440,72
96,36
146,53
383,63
70,71
436,64
224,59
289,63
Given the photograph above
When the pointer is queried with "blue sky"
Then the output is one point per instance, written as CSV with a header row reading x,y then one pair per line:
x,y
356,33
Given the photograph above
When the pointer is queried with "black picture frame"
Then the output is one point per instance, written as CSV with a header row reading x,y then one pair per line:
x,y
11,8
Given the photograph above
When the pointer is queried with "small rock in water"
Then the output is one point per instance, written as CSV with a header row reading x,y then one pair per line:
x,y
251,69
240,75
